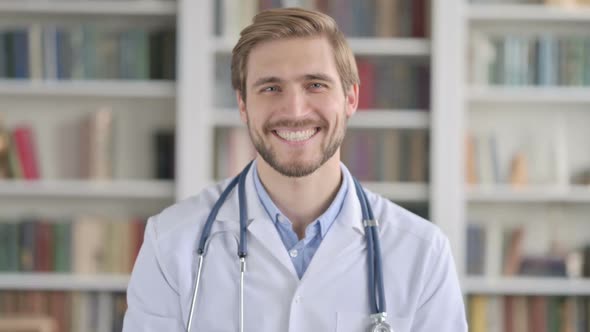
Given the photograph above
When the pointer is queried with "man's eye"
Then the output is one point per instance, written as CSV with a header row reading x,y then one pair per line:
x,y
270,89
316,85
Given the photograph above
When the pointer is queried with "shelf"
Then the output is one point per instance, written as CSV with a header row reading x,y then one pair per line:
x,y
155,189
128,89
406,119
92,7
531,12
363,46
531,194
400,191
562,95
63,282
526,286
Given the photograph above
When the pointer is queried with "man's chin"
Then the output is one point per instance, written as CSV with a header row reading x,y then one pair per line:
x,y
295,169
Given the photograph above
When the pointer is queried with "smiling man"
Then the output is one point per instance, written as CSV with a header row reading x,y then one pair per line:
x,y
313,254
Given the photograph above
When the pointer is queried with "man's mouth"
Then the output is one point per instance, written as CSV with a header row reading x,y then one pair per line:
x,y
296,135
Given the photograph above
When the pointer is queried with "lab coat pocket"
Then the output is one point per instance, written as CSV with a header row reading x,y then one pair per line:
x,y
360,322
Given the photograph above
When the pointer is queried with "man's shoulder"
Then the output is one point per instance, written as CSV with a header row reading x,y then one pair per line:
x,y
396,221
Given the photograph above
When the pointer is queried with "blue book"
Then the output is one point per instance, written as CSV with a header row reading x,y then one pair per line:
x,y
547,62
2,55
21,54
59,48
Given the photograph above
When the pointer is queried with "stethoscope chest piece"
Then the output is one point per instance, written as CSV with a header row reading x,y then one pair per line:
x,y
379,323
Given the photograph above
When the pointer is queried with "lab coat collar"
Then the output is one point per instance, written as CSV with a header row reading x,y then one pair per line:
x,y
230,210
346,228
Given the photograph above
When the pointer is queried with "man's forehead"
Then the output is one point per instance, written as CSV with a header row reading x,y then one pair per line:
x,y
291,58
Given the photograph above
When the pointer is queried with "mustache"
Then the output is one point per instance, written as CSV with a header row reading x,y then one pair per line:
x,y
303,123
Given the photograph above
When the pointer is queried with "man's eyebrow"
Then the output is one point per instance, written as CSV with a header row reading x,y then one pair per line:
x,y
265,80
306,77
318,76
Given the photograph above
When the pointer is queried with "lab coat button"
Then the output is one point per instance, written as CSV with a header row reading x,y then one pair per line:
x,y
293,253
297,298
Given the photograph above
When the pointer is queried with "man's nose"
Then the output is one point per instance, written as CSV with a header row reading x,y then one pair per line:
x,y
295,103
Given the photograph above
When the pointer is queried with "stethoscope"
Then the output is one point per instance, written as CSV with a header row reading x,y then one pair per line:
x,y
376,290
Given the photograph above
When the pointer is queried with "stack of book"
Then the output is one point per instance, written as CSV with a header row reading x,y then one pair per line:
x,y
64,312
86,245
86,52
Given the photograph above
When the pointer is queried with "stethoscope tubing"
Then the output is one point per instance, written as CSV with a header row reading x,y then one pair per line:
x,y
375,269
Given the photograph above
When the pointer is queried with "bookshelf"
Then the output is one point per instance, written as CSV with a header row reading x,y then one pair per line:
x,y
152,8
63,282
530,95
138,189
188,105
533,13
99,89
54,101
527,286
516,99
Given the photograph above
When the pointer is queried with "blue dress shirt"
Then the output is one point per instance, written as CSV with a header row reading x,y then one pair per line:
x,y
302,251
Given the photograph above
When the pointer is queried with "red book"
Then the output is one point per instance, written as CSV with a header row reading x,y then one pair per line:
x,y
367,89
60,309
43,250
509,314
137,233
418,19
26,152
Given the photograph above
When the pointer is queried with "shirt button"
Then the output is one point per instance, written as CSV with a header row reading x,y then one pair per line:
x,y
293,253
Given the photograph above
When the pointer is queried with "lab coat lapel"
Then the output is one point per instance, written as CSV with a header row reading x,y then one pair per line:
x,y
343,236
260,227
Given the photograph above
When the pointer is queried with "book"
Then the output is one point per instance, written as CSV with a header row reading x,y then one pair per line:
x,y
24,142
98,149
513,255
28,324
164,155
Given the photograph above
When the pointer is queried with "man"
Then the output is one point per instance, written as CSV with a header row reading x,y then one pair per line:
x,y
297,84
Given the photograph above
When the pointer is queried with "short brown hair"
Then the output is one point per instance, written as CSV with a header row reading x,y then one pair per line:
x,y
292,23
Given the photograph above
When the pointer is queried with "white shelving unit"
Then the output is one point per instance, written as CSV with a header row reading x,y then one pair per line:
x,y
116,89
139,107
136,189
63,282
530,95
530,194
532,13
92,7
196,118
480,104
528,286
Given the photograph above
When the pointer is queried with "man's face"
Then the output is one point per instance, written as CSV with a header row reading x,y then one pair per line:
x,y
295,109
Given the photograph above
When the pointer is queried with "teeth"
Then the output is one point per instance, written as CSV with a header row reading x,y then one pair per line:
x,y
296,136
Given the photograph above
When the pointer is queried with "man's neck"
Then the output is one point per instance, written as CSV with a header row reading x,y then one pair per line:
x,y
303,199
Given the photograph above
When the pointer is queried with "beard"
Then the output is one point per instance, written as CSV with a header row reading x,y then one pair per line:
x,y
298,168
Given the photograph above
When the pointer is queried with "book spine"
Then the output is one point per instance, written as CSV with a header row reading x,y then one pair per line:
x,y
24,142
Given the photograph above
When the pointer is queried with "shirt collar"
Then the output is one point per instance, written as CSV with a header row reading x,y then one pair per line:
x,y
325,220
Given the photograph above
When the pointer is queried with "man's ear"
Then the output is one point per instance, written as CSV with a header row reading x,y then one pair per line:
x,y
242,107
352,99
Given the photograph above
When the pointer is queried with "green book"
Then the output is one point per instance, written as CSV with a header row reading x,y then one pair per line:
x,y
9,247
62,251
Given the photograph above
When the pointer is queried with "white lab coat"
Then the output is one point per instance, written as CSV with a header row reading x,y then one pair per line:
x,y
421,283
